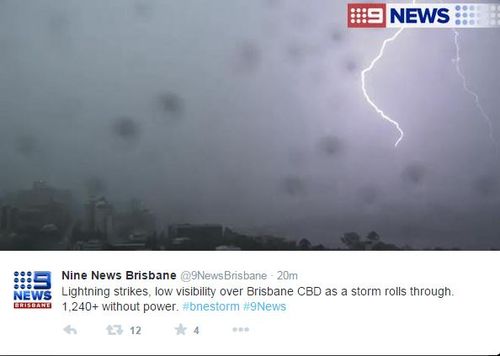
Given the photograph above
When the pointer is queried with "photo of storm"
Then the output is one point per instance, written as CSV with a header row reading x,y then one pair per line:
x,y
243,125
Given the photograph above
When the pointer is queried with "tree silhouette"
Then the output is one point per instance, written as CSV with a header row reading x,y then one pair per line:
x,y
352,240
372,241
304,244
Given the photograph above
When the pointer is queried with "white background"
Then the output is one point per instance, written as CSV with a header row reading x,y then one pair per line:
x,y
464,324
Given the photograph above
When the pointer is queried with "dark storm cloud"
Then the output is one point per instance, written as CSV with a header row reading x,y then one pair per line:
x,y
26,145
127,129
83,81
272,3
414,174
293,186
171,104
143,10
331,146
337,35
351,66
248,57
296,52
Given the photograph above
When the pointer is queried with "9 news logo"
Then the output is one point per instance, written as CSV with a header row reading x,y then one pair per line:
x,y
420,15
366,15
32,290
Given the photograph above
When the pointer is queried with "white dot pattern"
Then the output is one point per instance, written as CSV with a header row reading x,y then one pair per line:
x,y
476,15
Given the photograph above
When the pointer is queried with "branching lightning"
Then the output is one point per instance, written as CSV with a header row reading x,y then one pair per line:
x,y
469,91
461,74
365,92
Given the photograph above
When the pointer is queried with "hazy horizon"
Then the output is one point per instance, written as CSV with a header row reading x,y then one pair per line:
x,y
250,114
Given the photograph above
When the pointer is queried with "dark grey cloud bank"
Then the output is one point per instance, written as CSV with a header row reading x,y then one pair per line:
x,y
250,114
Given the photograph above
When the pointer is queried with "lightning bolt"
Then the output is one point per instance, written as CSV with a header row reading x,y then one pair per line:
x,y
469,91
365,92
457,61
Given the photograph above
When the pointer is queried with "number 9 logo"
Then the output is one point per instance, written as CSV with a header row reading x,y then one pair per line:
x,y
376,15
42,280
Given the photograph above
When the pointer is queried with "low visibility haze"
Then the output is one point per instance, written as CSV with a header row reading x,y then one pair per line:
x,y
250,114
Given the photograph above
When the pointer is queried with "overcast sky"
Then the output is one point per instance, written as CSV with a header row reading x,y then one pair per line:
x,y
250,113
